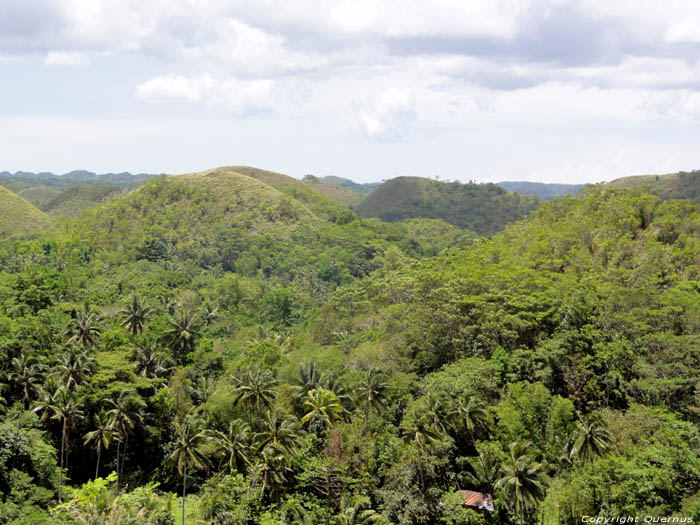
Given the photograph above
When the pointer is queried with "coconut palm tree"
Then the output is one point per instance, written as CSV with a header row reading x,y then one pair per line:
x,y
590,439
522,482
324,405
272,466
135,316
209,314
184,331
371,392
309,378
102,436
256,389
64,407
84,328
279,429
235,444
485,469
26,374
149,363
469,415
123,414
358,512
74,368
187,453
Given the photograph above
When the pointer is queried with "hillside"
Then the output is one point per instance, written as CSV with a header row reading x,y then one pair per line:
x,y
367,366
286,183
18,216
75,199
483,208
541,190
363,188
681,185
39,196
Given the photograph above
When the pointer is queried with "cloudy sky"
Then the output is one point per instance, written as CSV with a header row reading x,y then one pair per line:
x,y
487,90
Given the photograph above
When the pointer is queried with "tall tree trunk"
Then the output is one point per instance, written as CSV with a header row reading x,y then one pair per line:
x,y
184,485
60,473
126,444
118,480
99,452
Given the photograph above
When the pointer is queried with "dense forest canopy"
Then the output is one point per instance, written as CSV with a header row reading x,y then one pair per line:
x,y
259,349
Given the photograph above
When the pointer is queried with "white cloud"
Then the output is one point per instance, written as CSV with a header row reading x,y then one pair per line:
x,y
66,59
237,96
388,115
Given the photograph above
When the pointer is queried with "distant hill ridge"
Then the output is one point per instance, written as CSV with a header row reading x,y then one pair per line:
x,y
482,208
544,191
21,180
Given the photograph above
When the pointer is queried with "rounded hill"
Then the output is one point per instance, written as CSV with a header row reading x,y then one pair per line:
x,y
17,216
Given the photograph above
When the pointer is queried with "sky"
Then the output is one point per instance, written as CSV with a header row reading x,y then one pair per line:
x,y
485,90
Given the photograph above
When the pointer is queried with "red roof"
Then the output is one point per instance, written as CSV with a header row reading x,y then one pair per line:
x,y
476,499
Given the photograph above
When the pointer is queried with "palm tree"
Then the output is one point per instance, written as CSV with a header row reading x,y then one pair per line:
x,y
83,328
184,331
485,469
26,373
123,414
371,392
255,388
309,378
149,363
343,340
470,415
522,482
235,443
358,512
421,434
187,453
135,316
324,405
279,429
438,413
589,440
64,407
102,436
272,466
74,368
209,314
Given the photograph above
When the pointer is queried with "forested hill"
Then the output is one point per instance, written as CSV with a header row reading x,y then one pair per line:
x,y
483,208
257,346
542,190
681,185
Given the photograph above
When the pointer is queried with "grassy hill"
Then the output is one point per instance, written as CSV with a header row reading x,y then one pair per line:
x,y
483,208
72,201
681,185
285,183
363,188
39,196
19,216
541,190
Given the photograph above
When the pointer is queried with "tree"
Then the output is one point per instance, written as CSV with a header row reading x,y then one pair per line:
x,y
184,331
235,444
102,436
469,415
272,467
358,512
590,439
324,405
149,363
279,429
84,328
255,388
123,414
522,482
64,407
74,368
187,453
371,392
135,316
26,373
